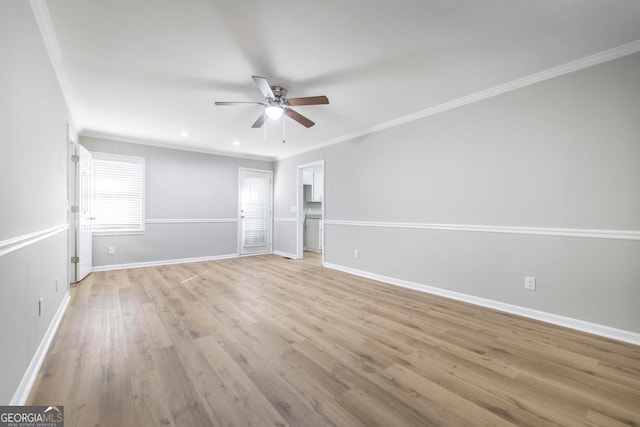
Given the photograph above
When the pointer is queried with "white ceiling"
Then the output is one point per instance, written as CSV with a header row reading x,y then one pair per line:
x,y
148,70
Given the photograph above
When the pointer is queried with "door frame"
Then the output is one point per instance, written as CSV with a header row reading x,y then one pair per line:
x,y
239,213
300,206
72,191
83,218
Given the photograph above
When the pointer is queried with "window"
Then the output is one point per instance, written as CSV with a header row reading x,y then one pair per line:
x,y
118,193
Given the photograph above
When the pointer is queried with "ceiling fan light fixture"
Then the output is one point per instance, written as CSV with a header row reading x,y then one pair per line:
x,y
277,105
274,111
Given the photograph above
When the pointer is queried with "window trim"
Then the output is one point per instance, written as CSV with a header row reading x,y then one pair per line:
x,y
123,158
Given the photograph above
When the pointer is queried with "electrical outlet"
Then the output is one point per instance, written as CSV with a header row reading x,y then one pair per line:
x,y
356,254
530,283
112,250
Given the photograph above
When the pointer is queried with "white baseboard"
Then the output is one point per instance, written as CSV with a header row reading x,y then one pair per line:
x,y
580,325
161,262
22,393
285,254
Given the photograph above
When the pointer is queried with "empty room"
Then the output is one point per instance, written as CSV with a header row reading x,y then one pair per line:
x,y
295,213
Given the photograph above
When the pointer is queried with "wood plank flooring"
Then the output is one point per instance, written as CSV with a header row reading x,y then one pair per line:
x,y
263,340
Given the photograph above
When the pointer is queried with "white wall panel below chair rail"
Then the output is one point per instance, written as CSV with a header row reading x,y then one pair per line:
x,y
284,237
33,288
592,328
592,280
168,239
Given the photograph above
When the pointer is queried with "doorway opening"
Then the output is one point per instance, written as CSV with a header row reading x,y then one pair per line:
x,y
310,209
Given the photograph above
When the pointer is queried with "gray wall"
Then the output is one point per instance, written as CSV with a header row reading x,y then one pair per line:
x,y
180,185
564,153
33,173
284,237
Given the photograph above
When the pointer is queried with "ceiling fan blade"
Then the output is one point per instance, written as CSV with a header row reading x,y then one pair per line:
x,y
264,87
239,103
258,123
299,118
308,100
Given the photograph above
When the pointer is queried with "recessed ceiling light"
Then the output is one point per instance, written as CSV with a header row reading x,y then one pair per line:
x,y
235,142
184,134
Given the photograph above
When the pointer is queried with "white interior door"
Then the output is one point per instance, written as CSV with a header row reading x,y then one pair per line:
x,y
84,217
255,211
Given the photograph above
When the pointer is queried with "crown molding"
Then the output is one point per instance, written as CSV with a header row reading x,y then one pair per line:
x,y
43,19
569,67
170,146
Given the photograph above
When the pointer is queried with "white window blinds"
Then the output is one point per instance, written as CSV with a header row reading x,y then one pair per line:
x,y
257,206
118,196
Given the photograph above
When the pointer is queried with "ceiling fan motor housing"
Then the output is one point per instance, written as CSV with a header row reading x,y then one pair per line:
x,y
279,92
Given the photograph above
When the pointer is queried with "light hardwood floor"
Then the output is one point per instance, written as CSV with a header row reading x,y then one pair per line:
x,y
268,341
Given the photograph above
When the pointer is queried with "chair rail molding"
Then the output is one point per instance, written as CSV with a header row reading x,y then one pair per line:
x,y
190,220
15,243
285,219
542,231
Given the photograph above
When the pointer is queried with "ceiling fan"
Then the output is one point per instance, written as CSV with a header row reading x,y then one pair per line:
x,y
276,103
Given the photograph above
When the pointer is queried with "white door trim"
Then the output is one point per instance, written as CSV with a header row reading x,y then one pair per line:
x,y
300,206
72,199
